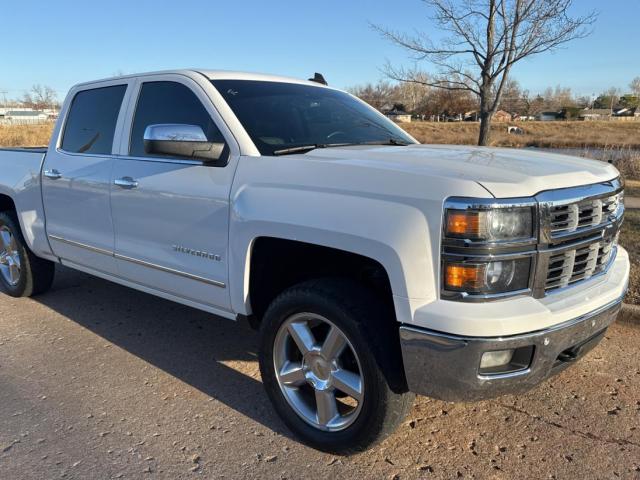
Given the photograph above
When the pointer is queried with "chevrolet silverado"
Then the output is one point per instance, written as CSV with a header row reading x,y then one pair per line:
x,y
375,268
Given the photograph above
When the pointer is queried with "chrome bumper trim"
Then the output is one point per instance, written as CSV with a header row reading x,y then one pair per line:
x,y
446,366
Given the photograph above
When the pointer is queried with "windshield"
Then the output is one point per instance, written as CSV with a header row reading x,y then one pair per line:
x,y
281,116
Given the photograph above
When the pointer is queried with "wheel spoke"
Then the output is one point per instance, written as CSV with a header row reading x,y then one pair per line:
x,y
326,405
333,344
302,335
5,240
349,383
14,272
292,374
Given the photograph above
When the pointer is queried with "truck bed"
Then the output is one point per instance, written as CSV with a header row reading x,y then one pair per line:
x,y
40,150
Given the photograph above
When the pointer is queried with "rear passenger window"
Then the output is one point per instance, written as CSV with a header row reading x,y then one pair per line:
x,y
169,103
92,118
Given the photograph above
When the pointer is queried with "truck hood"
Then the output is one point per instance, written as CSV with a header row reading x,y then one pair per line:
x,y
503,172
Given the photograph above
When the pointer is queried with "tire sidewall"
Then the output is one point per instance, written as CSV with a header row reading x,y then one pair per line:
x,y
15,290
375,389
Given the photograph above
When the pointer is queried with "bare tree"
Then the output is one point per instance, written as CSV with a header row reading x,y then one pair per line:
x,y
511,100
558,98
486,39
413,95
608,100
40,97
379,96
635,86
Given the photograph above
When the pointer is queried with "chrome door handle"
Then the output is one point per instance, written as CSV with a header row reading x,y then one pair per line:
x,y
53,174
126,182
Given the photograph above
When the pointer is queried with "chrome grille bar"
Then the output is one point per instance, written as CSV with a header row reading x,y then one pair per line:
x,y
578,234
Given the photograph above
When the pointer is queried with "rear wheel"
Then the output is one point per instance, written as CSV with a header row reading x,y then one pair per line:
x,y
22,274
322,371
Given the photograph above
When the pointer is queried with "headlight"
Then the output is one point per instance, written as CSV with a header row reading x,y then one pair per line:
x,y
488,247
487,278
506,223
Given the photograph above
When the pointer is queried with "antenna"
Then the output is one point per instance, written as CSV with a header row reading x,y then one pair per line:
x,y
318,78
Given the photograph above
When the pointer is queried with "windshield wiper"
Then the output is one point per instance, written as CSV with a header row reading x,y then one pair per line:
x,y
308,148
391,141
301,148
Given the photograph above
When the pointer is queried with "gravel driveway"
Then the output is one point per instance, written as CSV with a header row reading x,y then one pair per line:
x,y
98,381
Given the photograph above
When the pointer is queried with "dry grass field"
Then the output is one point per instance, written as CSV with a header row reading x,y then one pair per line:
x,y
25,135
618,140
537,134
608,135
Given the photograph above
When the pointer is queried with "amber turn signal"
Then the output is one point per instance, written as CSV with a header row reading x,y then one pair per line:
x,y
458,276
463,224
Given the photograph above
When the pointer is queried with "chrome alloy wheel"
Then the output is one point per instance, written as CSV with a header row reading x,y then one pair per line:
x,y
318,372
9,257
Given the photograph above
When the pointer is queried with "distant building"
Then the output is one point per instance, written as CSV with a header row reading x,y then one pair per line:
x,y
627,112
548,116
502,116
595,114
25,116
499,116
471,116
398,116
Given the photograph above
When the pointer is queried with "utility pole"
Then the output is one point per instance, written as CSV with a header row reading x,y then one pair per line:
x,y
4,97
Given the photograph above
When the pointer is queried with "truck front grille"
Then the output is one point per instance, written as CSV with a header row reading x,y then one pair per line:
x,y
577,264
578,234
583,214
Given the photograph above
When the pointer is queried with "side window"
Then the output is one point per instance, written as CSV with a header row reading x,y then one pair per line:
x,y
166,103
91,122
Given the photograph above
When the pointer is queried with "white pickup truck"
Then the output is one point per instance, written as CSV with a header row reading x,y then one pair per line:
x,y
374,267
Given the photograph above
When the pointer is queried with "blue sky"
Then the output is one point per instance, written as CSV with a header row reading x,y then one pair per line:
x,y
62,42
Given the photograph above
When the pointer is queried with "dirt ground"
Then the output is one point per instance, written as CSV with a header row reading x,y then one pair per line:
x,y
98,381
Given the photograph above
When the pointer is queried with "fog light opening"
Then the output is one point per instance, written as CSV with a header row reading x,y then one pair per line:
x,y
499,358
500,362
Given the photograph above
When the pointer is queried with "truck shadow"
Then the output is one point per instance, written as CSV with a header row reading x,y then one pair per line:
x,y
190,345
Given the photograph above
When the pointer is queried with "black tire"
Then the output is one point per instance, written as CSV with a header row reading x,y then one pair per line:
x,y
36,274
374,339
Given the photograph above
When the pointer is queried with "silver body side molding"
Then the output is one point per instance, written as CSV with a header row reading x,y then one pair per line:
x,y
138,261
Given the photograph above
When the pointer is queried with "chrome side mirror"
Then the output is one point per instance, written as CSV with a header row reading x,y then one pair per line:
x,y
179,140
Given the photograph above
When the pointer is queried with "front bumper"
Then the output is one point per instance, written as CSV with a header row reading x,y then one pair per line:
x,y
447,367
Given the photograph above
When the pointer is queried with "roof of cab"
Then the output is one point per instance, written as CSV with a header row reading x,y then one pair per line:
x,y
212,75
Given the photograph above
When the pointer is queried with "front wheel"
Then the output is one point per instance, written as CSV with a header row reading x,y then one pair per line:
x,y
320,368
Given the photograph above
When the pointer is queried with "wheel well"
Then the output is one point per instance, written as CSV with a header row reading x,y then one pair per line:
x,y
277,264
6,204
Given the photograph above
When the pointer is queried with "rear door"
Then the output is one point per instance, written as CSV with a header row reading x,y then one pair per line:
x,y
76,179
171,214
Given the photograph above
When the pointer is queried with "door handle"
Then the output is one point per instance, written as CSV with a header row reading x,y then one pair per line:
x,y
53,174
126,183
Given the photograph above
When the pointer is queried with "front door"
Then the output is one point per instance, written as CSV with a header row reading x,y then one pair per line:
x,y
171,214
76,180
